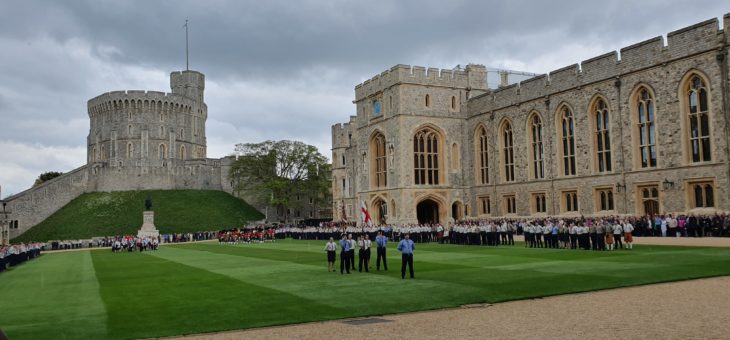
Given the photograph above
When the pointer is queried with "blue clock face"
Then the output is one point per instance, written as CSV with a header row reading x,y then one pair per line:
x,y
376,108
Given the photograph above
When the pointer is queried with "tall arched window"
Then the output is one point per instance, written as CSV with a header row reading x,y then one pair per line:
x,y
182,152
426,157
162,152
647,130
567,130
379,164
699,121
508,155
537,150
428,101
482,155
130,150
602,139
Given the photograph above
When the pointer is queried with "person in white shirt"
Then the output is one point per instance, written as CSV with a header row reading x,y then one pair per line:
x,y
628,238
331,249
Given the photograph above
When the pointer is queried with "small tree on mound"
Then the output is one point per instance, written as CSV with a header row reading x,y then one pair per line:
x,y
274,172
46,176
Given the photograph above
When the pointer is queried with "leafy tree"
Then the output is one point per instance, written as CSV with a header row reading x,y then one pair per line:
x,y
46,176
273,173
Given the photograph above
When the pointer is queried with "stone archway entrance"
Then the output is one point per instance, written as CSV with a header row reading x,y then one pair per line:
x,y
427,211
380,212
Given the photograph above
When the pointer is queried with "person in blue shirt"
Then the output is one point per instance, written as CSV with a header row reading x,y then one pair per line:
x,y
344,255
382,242
406,247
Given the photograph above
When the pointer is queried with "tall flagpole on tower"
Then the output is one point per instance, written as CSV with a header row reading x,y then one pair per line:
x,y
187,58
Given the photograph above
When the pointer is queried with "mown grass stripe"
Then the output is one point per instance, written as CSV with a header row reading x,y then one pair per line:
x,y
152,297
55,296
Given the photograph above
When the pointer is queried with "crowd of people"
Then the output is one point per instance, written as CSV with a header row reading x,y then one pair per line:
x,y
259,234
15,254
131,243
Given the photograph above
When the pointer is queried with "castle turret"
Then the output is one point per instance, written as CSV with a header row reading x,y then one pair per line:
x,y
190,84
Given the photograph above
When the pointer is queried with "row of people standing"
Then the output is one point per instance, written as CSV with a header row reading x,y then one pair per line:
x,y
597,234
15,254
364,245
486,233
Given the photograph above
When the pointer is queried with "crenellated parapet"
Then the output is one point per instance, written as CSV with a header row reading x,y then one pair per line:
x,y
137,101
704,37
473,76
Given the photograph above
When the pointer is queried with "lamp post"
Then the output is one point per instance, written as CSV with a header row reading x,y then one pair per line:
x,y
4,226
667,184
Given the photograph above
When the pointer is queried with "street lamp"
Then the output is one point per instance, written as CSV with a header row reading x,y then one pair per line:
x,y
667,184
4,227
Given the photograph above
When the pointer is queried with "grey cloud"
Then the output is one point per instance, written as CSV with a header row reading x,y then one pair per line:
x,y
279,69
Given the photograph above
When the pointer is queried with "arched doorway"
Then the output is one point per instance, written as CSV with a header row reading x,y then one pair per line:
x,y
427,211
380,212
457,211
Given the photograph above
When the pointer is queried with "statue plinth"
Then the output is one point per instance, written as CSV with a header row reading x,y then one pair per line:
x,y
148,225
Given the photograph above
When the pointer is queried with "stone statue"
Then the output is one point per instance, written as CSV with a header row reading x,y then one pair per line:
x,y
148,203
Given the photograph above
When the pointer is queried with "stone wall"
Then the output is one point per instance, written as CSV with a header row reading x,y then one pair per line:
x,y
614,77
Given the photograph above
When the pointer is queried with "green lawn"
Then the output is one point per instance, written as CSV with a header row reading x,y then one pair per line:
x,y
206,287
118,213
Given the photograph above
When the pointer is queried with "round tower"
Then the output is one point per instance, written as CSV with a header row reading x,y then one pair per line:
x,y
149,128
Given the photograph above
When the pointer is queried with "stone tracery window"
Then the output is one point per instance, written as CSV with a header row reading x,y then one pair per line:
x,y
646,128
508,155
482,155
602,139
699,121
537,150
426,157
702,195
567,130
380,168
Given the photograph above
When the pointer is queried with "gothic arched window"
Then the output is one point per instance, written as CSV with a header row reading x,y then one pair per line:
x,y
426,157
567,132
699,121
602,139
537,150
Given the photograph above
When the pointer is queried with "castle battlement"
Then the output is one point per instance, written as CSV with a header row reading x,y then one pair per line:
x,y
137,99
473,76
703,37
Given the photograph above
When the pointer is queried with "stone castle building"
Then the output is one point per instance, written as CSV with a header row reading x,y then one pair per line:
x,y
139,140
643,131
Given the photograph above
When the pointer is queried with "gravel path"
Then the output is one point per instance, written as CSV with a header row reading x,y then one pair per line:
x,y
696,309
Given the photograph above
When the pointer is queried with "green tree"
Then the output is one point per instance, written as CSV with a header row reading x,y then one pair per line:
x,y
273,173
46,176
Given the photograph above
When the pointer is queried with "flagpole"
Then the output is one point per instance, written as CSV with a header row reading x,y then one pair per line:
x,y
187,58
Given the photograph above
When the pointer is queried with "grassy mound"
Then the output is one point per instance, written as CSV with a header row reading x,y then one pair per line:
x,y
117,213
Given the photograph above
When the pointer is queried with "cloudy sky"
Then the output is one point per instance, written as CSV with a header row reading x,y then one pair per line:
x,y
275,69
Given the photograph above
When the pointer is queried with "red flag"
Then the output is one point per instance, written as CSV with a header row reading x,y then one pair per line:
x,y
366,215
